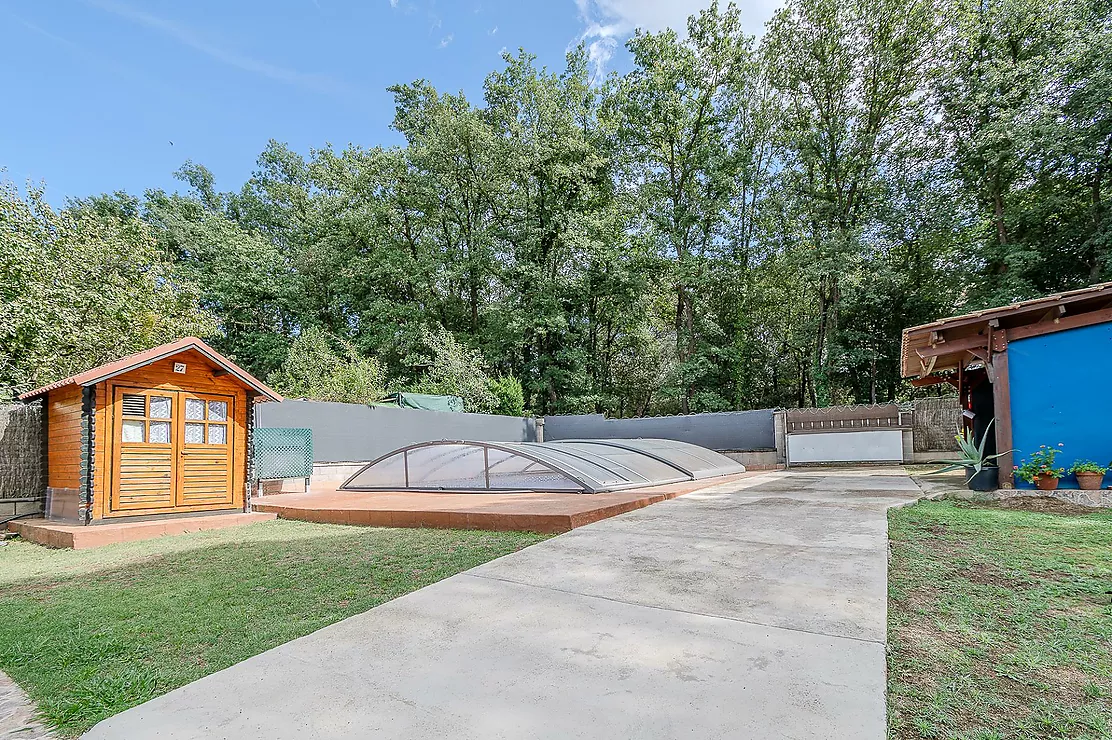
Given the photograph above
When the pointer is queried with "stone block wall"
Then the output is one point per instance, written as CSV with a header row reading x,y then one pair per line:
x,y
1101,497
22,459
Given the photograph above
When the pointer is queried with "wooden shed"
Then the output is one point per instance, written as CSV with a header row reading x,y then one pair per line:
x,y
160,432
1038,369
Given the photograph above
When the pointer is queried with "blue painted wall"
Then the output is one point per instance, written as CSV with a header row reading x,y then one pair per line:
x,y
1061,387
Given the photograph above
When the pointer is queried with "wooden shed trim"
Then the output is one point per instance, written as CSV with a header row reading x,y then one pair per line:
x,y
140,359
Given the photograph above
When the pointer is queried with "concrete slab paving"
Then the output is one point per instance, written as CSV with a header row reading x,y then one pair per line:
x,y
755,609
832,591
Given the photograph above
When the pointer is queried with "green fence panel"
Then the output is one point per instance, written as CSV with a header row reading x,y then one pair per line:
x,y
283,453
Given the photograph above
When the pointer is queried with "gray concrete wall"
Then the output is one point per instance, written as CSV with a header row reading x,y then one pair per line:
x,y
762,460
350,432
740,431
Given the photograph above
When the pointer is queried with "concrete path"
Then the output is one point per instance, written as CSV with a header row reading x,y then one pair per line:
x,y
18,718
753,609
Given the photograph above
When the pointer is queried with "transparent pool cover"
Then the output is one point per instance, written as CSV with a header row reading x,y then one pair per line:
x,y
574,466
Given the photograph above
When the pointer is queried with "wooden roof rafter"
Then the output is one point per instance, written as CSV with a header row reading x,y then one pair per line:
x,y
954,342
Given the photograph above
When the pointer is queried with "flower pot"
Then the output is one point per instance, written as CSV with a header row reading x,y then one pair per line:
x,y
1089,481
986,480
1046,482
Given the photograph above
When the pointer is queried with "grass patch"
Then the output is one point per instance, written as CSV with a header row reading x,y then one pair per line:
x,y
89,633
999,623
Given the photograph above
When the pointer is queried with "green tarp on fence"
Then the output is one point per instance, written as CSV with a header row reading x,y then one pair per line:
x,y
424,401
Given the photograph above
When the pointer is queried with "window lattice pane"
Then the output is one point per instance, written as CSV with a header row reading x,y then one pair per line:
x,y
133,431
160,407
194,408
217,434
218,411
160,432
195,434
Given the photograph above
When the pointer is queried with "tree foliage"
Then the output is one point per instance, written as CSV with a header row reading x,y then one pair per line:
x,y
730,224
314,369
78,290
452,369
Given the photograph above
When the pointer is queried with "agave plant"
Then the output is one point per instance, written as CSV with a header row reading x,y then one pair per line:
x,y
972,454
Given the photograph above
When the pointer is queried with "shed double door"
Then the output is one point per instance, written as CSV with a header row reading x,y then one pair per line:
x,y
172,450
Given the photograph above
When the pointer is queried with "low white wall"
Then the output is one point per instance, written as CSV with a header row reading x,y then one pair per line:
x,y
336,472
882,445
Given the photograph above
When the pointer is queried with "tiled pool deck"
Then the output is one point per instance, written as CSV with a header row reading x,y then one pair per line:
x,y
524,511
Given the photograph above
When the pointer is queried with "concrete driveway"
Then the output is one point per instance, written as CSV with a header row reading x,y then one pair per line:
x,y
753,609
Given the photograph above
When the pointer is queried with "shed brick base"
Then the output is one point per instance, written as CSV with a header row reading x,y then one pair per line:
x,y
78,537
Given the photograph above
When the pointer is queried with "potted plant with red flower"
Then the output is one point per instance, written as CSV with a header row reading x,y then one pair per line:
x,y
1040,470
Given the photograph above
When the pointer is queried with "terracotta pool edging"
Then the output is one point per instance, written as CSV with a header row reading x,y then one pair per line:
x,y
548,513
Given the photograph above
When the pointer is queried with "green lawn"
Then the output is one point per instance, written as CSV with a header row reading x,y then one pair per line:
x,y
89,633
999,623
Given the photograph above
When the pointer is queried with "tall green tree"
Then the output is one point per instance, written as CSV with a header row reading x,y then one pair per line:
x,y
850,76
685,151
78,289
1023,88
315,369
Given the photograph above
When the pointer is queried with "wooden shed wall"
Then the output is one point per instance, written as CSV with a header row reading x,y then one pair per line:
x,y
63,429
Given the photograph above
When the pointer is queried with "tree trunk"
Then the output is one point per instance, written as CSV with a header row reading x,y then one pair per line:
x,y
872,379
998,215
681,344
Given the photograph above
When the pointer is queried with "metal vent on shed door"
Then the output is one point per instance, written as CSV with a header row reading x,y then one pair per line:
x,y
135,405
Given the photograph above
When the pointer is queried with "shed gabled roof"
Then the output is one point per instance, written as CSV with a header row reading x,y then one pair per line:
x,y
944,344
146,357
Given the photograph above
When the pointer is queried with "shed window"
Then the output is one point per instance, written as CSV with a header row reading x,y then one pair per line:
x,y
195,434
160,407
194,408
133,431
160,432
217,434
217,411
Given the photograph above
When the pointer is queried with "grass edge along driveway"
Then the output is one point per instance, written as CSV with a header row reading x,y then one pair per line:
x,y
999,624
89,633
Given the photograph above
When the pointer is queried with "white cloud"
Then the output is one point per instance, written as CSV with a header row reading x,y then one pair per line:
x,y
607,23
609,18
195,41
492,31
393,3
600,51
446,40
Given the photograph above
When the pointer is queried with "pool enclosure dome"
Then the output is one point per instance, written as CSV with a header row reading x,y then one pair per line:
x,y
567,466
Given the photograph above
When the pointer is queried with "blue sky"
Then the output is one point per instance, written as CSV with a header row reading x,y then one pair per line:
x,y
95,91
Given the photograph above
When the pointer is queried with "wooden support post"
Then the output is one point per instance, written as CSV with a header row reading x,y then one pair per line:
x,y
1002,406
963,400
